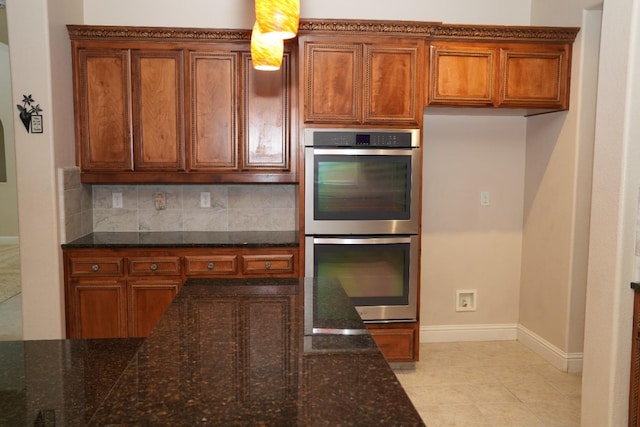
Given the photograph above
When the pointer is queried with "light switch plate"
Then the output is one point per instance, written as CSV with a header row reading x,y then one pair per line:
x,y
116,200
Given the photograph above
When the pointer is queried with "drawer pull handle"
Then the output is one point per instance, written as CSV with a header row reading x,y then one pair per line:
x,y
153,267
267,265
95,267
210,266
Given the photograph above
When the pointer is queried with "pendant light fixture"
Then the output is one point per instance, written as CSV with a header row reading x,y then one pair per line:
x,y
278,18
266,51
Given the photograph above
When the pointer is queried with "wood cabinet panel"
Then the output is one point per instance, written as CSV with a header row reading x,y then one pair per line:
x,y
211,265
391,84
92,266
267,96
396,342
154,265
461,75
158,112
102,99
332,79
148,299
98,309
213,114
535,76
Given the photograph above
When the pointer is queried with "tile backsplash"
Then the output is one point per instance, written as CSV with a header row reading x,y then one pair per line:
x,y
234,207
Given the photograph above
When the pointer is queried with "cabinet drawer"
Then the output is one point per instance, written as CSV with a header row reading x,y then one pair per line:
x,y
161,265
267,264
210,265
107,266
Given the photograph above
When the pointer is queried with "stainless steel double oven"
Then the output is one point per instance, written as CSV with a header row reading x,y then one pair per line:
x,y
362,207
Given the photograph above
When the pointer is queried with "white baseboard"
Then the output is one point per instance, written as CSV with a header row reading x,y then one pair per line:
x,y
566,362
9,240
454,333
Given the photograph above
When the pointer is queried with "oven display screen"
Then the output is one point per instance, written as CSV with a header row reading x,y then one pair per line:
x,y
363,139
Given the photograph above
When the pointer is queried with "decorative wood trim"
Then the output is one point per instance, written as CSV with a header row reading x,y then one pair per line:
x,y
435,30
87,32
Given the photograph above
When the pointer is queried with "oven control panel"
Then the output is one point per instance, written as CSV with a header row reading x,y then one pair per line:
x,y
362,138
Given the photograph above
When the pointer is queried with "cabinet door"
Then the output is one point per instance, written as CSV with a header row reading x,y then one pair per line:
x,y
535,76
97,309
148,299
392,84
213,117
158,110
265,116
396,344
461,74
332,82
103,120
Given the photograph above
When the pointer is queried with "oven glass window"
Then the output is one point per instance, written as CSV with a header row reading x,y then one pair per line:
x,y
362,187
371,274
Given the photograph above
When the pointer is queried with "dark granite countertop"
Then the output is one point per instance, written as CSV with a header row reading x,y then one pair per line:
x,y
193,239
227,352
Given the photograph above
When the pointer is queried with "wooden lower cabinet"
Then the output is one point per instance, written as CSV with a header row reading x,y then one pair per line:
x,y
148,299
116,293
96,308
398,342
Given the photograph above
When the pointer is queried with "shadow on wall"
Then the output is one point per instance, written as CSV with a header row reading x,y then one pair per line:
x,y
3,156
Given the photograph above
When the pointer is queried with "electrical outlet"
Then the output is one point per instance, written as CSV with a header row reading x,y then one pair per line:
x,y
116,200
205,199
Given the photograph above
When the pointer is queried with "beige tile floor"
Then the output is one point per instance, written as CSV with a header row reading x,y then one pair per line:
x,y
490,384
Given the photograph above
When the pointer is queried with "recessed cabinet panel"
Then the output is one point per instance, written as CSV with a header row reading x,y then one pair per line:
x,y
333,83
461,75
103,99
158,110
535,77
267,96
99,309
391,84
147,302
213,122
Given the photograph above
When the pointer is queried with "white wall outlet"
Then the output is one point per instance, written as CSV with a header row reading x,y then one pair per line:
x,y
205,199
485,199
466,300
116,200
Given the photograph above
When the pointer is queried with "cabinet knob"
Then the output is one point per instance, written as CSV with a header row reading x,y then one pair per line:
x,y
95,267
153,267
210,266
267,265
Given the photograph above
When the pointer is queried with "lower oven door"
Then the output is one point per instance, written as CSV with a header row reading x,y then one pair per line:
x,y
378,273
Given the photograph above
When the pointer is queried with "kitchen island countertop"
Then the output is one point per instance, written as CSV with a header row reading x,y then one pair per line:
x,y
227,352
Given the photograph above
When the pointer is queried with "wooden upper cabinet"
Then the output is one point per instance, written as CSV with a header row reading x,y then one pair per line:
x,y
535,76
461,74
187,107
103,99
266,117
391,83
158,112
332,82
213,82
376,82
513,75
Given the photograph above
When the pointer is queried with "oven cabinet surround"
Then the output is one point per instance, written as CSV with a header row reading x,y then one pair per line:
x,y
511,75
122,292
373,82
179,106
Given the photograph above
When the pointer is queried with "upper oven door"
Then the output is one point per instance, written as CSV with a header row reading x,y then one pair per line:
x,y
362,191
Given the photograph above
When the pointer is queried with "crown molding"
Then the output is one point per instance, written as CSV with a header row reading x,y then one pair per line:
x,y
427,30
